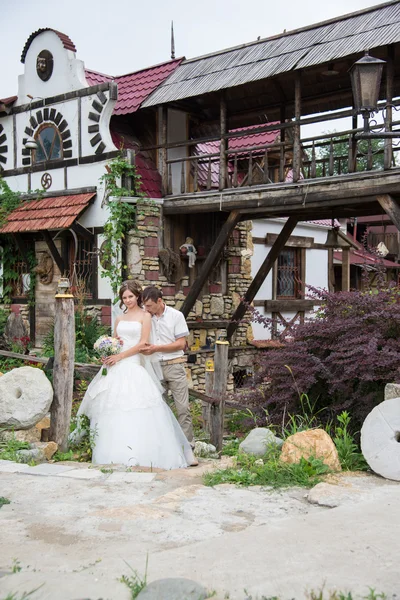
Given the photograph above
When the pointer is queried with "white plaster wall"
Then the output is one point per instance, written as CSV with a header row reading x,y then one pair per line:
x,y
7,123
68,72
104,123
316,263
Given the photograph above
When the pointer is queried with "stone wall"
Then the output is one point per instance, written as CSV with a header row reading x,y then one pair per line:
x,y
144,265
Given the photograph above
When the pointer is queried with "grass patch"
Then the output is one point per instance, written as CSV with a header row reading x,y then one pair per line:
x,y
269,471
9,448
4,501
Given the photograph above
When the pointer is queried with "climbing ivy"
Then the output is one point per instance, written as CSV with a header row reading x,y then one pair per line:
x,y
121,215
9,201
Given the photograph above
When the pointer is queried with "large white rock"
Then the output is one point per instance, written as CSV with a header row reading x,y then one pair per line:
x,y
258,441
25,398
380,439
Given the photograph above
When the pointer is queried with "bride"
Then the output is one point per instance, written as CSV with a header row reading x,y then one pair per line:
x,y
131,422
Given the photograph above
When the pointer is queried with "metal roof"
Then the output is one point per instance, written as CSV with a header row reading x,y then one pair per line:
x,y
298,49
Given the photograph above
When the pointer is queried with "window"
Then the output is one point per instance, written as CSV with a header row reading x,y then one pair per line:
x,y
288,273
49,144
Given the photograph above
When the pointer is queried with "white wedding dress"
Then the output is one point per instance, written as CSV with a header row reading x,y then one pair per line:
x,y
131,422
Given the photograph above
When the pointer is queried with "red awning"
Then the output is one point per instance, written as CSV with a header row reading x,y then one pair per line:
x,y
46,214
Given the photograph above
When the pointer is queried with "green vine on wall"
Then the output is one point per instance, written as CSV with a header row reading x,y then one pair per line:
x,y
121,215
9,201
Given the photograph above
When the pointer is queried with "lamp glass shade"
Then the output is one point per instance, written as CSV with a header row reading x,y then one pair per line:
x,y
31,143
366,75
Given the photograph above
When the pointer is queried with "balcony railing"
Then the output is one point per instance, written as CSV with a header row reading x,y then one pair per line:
x,y
238,159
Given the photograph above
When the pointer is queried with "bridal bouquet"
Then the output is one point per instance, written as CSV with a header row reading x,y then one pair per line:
x,y
106,346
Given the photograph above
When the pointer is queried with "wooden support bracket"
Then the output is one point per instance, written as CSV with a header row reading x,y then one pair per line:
x,y
53,251
262,273
391,208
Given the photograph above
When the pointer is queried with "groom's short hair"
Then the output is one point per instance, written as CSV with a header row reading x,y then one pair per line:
x,y
151,293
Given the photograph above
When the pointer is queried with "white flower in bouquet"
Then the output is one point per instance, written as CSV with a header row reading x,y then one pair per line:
x,y
107,346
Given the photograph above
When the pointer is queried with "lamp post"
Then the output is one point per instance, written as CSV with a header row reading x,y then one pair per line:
x,y
366,75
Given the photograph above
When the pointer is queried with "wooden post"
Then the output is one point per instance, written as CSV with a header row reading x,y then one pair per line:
x,y
219,390
345,269
261,274
63,372
282,147
223,144
389,97
163,151
296,136
209,384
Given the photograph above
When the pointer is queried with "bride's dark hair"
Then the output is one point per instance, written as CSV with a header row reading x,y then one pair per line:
x,y
134,287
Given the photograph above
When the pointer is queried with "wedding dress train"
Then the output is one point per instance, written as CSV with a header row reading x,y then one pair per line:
x,y
131,422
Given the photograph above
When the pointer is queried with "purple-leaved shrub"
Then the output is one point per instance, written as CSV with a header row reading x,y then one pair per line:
x,y
341,358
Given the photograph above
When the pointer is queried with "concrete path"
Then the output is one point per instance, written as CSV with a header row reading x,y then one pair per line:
x,y
76,530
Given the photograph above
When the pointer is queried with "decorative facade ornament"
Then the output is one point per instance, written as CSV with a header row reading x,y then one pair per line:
x,y
45,268
46,181
44,65
190,251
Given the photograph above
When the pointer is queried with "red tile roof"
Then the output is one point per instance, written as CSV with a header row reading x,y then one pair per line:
x,y
49,213
66,41
150,177
363,257
8,101
134,88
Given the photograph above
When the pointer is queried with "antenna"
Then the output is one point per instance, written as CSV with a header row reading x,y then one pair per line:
x,y
172,41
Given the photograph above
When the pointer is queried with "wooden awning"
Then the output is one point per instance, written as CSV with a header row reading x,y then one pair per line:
x,y
47,214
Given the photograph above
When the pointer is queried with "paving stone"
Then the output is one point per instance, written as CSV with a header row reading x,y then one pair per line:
x,y
131,477
48,469
7,466
82,474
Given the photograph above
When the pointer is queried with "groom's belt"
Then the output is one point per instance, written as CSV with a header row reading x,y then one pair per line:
x,y
173,361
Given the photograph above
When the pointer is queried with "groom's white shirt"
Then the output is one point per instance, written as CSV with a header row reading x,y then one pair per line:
x,y
168,328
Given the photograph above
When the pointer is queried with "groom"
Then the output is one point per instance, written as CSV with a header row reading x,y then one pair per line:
x,y
169,333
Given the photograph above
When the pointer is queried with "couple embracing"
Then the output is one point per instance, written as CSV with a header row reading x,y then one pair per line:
x,y
132,423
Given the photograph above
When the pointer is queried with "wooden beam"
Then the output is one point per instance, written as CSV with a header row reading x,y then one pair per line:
x,y
262,274
210,261
163,150
223,159
296,137
53,251
219,391
391,208
82,231
345,269
388,149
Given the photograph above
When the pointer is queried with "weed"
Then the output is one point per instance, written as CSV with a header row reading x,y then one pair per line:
x,y
134,582
24,596
231,448
273,473
16,566
351,459
106,471
4,501
9,448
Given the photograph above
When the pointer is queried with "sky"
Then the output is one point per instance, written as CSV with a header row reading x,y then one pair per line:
x,y
128,35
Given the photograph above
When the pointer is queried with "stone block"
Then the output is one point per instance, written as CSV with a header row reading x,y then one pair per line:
x,y
173,589
313,443
392,390
217,305
258,441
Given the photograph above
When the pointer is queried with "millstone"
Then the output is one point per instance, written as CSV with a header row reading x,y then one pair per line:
x,y
380,439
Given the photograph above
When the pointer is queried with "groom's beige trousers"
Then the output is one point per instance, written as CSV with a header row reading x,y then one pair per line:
x,y
174,379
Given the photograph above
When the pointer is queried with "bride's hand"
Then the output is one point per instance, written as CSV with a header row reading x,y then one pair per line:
x,y
111,360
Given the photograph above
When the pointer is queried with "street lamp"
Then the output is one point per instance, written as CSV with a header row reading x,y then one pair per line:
x,y
366,75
